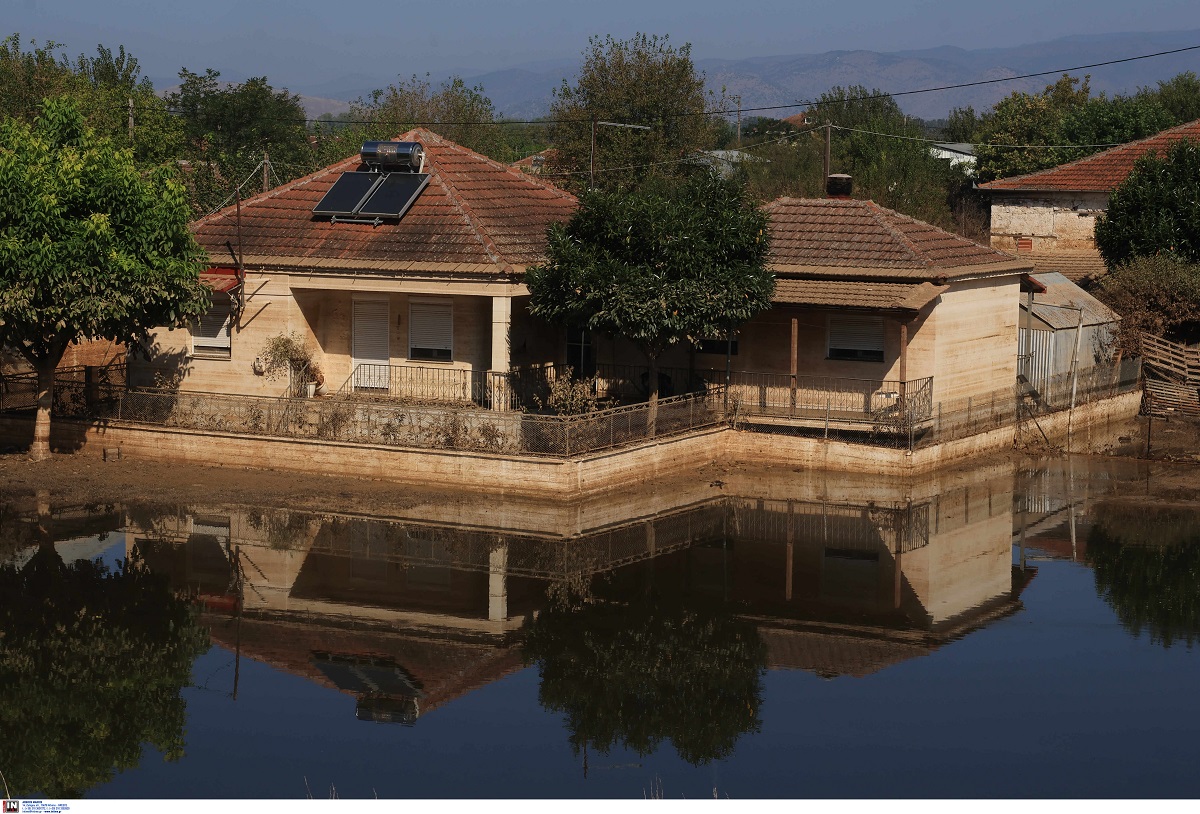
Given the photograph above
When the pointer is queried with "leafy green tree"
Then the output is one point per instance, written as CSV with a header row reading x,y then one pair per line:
x,y
460,113
89,246
92,663
886,154
636,675
1157,295
660,265
1027,119
640,81
1155,209
1179,96
103,87
228,127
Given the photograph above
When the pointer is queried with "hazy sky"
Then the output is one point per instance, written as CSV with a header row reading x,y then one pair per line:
x,y
302,44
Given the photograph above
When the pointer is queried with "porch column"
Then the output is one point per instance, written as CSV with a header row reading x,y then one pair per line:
x,y
498,583
501,359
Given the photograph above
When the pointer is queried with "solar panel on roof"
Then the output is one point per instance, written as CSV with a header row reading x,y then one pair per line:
x,y
393,197
347,193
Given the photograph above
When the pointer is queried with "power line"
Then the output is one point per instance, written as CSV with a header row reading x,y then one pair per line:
x,y
797,103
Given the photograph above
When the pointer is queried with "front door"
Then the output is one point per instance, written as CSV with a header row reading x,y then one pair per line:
x,y
371,345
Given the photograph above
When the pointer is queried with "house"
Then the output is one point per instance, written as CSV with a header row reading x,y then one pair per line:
x,y
1050,216
404,263
870,307
959,154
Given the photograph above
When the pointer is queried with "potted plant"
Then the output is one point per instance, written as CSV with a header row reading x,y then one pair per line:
x,y
289,354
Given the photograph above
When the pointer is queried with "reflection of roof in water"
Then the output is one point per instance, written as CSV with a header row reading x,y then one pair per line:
x,y
439,669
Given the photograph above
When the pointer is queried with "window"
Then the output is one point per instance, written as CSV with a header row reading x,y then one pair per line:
x,y
718,347
210,335
431,330
858,339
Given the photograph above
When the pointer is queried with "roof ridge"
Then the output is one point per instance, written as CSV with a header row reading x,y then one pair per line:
x,y
1129,145
883,219
513,171
456,198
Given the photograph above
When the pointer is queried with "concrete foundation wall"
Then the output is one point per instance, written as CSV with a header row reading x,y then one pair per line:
x,y
619,469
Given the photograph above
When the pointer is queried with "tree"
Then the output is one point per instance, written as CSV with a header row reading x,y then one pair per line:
x,y
102,88
1179,96
1026,119
1157,295
660,265
89,246
641,81
460,113
228,127
1155,209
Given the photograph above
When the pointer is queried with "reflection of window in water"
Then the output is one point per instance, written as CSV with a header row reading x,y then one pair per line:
x,y
849,574
427,563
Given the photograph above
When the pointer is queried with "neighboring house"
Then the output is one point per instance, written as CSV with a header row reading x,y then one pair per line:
x,y
1050,216
419,277
1063,330
959,154
725,162
871,305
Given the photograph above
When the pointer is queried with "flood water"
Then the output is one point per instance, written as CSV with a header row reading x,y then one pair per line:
x,y
1002,632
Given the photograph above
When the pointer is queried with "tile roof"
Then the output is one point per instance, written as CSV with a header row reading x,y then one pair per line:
x,y
841,237
474,212
1100,172
1075,266
874,296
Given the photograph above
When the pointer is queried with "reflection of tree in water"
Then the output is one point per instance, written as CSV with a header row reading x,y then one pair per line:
x,y
92,663
1152,585
634,675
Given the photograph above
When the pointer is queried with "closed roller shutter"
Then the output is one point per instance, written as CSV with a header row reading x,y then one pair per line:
x,y
431,331
371,349
210,335
856,338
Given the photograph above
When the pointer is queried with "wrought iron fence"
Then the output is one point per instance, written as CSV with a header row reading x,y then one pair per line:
x,y
620,384
367,421
78,391
432,385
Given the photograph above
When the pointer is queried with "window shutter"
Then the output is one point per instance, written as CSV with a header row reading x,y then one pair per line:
x,y
856,338
370,344
211,331
431,331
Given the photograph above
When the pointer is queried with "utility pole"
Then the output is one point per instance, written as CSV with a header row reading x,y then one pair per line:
x,y
131,120
739,121
592,158
828,132
266,172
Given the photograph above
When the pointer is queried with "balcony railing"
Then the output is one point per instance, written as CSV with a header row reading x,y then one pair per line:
x,y
871,402
432,385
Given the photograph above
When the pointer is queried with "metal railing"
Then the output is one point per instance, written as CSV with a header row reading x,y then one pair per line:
x,y
76,389
825,398
420,384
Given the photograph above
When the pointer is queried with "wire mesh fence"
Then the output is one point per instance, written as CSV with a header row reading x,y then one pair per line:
x,y
898,415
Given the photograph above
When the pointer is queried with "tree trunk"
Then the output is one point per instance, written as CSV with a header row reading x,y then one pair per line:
x,y
652,407
39,450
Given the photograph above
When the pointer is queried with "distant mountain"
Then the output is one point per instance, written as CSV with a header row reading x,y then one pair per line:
x,y
525,91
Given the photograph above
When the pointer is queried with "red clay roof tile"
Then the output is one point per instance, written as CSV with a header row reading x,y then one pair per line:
x,y
1100,172
851,238
474,211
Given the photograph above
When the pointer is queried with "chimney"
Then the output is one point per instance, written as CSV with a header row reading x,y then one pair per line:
x,y
838,185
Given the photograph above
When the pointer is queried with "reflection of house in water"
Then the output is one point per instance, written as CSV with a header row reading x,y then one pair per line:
x,y
410,613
